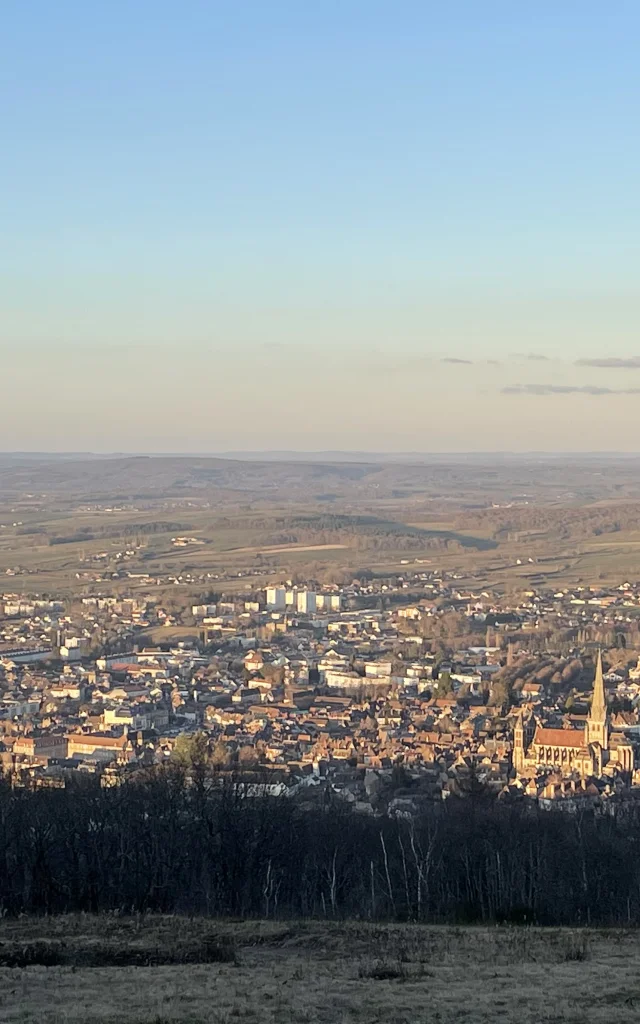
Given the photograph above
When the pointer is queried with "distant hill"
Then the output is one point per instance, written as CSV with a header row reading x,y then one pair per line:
x,y
480,479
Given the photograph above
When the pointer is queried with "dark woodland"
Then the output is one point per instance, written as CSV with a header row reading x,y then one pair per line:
x,y
175,844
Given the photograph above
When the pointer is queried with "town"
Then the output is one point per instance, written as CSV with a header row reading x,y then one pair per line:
x,y
319,513
388,691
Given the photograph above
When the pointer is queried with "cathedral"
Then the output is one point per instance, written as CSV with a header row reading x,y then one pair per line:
x,y
584,752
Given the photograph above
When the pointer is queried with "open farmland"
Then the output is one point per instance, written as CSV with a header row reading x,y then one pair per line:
x,y
71,524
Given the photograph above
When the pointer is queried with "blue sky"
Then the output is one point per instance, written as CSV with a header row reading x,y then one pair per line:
x,y
280,218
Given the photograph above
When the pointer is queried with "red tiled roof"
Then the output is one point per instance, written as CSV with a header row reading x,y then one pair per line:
x,y
559,737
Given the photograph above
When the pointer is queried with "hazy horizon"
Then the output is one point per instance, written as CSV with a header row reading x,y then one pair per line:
x,y
328,455
354,226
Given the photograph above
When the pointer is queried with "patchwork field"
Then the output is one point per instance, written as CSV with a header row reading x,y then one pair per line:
x,y
165,970
65,524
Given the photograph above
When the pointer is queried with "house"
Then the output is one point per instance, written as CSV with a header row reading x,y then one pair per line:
x,y
253,661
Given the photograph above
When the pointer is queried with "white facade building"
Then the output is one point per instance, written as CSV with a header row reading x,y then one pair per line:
x,y
276,598
306,602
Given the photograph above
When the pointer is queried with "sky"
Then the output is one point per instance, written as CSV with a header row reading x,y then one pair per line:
x,y
385,225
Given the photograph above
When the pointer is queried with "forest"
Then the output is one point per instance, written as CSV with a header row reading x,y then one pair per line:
x,y
171,841
562,522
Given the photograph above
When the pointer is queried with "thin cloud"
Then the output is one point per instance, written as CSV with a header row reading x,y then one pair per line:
x,y
457,362
632,363
566,389
534,357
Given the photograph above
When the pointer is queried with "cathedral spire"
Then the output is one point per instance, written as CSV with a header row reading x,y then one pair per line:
x,y
598,702
597,731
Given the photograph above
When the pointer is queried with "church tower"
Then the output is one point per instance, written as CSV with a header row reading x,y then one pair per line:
x,y
518,745
597,726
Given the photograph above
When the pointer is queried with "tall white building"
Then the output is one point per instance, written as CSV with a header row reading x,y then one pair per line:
x,y
306,602
276,598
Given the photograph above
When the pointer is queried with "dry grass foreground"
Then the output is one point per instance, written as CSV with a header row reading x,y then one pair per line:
x,y
164,969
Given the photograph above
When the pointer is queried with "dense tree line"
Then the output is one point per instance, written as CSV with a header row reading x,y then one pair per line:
x,y
123,531
363,532
538,522
168,842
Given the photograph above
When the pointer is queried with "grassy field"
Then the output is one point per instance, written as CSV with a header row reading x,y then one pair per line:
x,y
159,970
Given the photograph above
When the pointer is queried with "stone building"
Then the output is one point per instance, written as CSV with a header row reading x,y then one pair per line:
x,y
586,752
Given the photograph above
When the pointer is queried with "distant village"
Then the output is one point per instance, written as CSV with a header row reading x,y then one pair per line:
x,y
387,692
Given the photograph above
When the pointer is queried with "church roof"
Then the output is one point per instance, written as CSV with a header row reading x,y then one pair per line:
x,y
559,737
